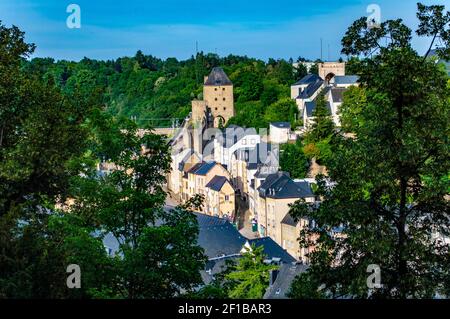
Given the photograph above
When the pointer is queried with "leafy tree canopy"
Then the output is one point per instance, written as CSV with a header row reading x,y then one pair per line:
x,y
387,203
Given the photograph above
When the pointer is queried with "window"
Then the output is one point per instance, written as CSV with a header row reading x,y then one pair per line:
x,y
216,108
223,89
224,108
227,198
224,99
216,99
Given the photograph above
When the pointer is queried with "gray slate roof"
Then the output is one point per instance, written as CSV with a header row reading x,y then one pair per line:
x,y
283,281
218,77
281,186
281,124
265,170
218,236
311,89
289,220
202,168
338,94
307,79
272,249
216,183
305,189
346,79
311,106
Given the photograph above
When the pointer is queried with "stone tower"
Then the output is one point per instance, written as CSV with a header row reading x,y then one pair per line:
x,y
328,70
218,101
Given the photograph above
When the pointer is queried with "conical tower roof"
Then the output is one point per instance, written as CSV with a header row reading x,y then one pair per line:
x,y
218,77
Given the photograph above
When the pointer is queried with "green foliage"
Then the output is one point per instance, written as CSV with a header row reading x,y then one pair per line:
x,y
320,138
323,125
155,90
160,254
249,114
301,71
166,260
293,160
284,110
53,132
248,278
352,108
391,178
251,277
315,68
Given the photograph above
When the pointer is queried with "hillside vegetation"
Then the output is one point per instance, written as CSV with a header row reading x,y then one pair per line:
x,y
154,91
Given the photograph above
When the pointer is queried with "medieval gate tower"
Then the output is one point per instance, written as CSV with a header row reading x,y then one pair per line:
x,y
217,106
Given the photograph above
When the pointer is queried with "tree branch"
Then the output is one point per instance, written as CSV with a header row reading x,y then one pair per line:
x,y
431,46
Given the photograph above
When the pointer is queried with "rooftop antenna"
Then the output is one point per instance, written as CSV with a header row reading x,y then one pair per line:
x,y
321,49
329,58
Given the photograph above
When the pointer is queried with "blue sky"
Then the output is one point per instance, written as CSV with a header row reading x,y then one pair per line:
x,y
170,28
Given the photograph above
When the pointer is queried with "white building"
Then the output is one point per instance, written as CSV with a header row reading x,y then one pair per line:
x,y
280,132
231,140
245,162
306,90
308,65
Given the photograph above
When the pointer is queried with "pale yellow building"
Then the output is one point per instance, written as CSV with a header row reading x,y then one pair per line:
x,y
181,163
196,179
220,198
290,233
275,195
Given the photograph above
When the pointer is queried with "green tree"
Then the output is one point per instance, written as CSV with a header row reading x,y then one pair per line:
x,y
285,110
320,138
387,201
350,112
271,93
160,255
300,71
293,160
250,278
315,68
323,125
41,133
51,139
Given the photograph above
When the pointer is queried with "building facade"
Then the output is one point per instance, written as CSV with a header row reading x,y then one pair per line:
x,y
217,105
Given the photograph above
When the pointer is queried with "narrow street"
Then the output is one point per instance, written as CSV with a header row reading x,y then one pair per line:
x,y
243,219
